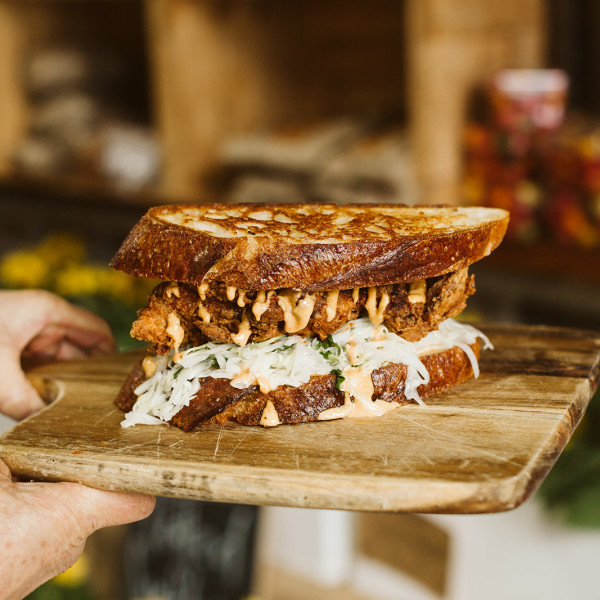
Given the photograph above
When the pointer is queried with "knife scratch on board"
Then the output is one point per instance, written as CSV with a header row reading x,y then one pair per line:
x,y
218,443
463,442
234,450
128,448
104,416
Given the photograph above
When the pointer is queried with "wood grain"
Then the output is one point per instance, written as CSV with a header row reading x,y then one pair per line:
x,y
12,102
454,47
207,83
483,447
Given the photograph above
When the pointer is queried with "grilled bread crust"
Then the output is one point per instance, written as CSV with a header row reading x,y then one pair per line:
x,y
219,402
311,247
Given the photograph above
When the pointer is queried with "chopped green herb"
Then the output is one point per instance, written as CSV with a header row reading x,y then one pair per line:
x,y
283,348
339,379
326,343
328,349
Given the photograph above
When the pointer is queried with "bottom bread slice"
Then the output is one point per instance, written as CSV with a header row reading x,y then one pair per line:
x,y
218,401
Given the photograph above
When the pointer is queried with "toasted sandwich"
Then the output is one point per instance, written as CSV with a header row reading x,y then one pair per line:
x,y
271,314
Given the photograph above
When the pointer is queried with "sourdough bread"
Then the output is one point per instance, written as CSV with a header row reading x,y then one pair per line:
x,y
311,247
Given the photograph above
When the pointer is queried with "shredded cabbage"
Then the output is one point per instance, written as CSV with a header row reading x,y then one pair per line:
x,y
292,360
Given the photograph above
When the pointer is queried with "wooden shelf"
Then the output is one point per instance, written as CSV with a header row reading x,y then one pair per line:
x,y
79,189
217,69
547,259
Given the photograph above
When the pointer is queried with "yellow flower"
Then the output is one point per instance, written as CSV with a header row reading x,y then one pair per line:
x,y
118,285
127,288
24,269
87,280
75,575
78,280
61,248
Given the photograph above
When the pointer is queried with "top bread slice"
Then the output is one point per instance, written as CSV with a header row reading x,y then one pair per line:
x,y
311,247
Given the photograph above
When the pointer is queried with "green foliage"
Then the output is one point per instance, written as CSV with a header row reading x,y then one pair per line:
x,y
59,263
572,488
53,591
118,314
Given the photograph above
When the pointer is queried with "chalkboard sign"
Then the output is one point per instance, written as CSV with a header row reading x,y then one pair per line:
x,y
189,550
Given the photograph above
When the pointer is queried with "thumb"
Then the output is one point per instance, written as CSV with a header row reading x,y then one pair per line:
x,y
18,397
89,509
77,511
45,526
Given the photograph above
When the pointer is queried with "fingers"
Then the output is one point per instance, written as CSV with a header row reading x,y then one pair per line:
x,y
59,343
37,324
95,509
36,313
45,526
18,398
5,471
94,337
78,326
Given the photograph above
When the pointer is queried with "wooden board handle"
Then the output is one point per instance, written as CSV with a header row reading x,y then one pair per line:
x,y
49,390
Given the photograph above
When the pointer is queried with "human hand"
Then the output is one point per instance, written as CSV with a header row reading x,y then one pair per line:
x,y
38,325
44,526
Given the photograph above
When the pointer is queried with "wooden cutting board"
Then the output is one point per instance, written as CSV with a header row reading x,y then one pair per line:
x,y
483,447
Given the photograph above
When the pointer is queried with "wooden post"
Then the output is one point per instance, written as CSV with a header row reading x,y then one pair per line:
x,y
454,46
12,102
207,83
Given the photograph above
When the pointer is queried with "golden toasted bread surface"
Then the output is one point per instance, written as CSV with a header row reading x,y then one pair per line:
x,y
312,247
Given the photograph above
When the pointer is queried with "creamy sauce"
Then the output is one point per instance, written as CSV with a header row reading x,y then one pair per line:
x,y
375,310
381,407
331,306
261,303
245,378
231,292
204,314
172,290
269,417
176,332
149,365
242,298
417,292
241,337
378,334
338,412
359,384
202,289
264,385
296,311
174,329
352,351
352,409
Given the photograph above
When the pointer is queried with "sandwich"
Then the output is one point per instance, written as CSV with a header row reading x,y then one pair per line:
x,y
289,313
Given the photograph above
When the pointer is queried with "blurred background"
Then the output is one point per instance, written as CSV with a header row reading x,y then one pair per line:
x,y
108,107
